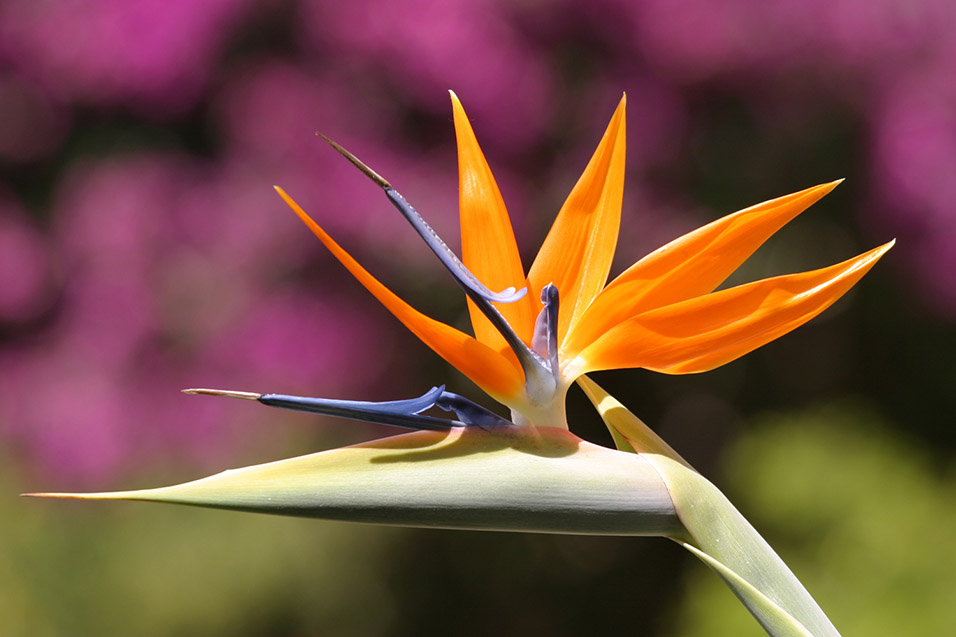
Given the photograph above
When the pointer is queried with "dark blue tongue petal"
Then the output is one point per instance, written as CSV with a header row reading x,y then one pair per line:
x,y
398,413
535,367
449,259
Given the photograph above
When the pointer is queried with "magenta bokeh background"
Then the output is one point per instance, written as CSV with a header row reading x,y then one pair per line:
x,y
143,250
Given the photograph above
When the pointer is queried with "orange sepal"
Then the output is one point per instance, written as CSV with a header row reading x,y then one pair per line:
x,y
488,246
702,333
577,253
500,377
689,266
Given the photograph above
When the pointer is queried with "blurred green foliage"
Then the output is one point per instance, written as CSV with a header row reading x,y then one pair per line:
x,y
862,515
878,558
148,570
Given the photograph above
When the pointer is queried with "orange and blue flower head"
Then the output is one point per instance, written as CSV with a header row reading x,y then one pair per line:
x,y
538,330
535,332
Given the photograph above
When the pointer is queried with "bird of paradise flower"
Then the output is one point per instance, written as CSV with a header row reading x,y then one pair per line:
x,y
543,331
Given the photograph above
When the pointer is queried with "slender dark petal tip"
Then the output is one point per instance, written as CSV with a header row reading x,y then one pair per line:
x,y
452,263
243,395
358,163
549,293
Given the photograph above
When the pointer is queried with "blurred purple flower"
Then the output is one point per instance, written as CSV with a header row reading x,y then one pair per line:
x,y
426,47
693,40
32,125
914,163
892,61
26,277
153,54
269,115
156,271
150,290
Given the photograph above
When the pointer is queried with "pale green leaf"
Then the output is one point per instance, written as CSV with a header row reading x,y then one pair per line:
x,y
718,531
514,478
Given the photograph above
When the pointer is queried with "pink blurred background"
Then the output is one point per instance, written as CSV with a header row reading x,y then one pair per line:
x,y
142,249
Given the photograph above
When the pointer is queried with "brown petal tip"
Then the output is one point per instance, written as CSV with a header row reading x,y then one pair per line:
x,y
244,395
358,163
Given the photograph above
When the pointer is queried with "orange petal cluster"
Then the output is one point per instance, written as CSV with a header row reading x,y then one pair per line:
x,y
661,313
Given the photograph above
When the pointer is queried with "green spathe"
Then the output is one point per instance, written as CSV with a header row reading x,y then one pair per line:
x,y
544,480
717,533
510,479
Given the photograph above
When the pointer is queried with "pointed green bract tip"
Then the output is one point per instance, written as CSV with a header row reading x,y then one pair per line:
x,y
106,495
227,393
518,479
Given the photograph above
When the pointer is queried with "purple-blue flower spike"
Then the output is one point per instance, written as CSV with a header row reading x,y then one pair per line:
x,y
445,254
535,367
397,413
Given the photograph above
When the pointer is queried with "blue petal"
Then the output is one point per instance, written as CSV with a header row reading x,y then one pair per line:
x,y
538,372
448,258
532,364
399,413
469,412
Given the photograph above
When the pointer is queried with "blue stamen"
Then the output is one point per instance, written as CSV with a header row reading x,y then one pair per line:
x,y
399,413
545,339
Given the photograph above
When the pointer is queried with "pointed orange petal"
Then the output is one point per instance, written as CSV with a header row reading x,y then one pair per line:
x,y
488,246
708,331
689,266
577,253
496,374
